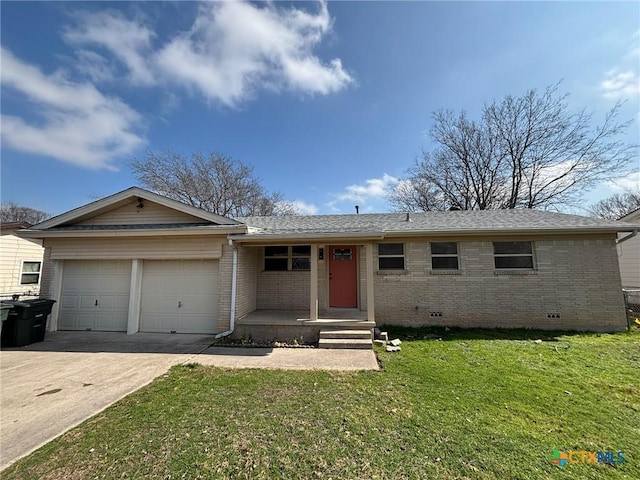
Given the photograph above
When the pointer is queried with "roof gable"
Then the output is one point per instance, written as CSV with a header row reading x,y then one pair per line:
x,y
135,206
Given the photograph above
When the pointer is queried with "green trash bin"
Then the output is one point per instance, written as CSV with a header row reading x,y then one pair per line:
x,y
26,322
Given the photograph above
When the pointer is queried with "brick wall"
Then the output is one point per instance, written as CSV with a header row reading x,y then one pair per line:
x,y
46,278
245,287
577,278
247,281
283,290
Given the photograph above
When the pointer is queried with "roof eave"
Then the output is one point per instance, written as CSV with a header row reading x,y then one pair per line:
x,y
267,238
511,231
139,232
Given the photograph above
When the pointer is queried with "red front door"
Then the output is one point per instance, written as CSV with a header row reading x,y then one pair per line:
x,y
343,276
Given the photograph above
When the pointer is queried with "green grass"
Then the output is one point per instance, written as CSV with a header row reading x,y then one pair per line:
x,y
476,405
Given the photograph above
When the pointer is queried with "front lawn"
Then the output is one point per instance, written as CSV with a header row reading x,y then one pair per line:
x,y
474,405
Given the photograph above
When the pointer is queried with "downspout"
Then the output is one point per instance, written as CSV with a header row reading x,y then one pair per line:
x,y
234,282
628,237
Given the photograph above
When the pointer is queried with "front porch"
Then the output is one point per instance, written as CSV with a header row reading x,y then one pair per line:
x,y
297,326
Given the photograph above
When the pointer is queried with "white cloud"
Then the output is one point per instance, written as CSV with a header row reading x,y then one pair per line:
x,y
620,85
372,188
304,208
231,51
370,196
79,125
628,182
127,40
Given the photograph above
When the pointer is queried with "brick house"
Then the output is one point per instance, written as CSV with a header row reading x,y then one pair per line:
x,y
137,261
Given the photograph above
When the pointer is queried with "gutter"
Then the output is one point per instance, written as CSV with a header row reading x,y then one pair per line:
x,y
234,289
302,238
628,237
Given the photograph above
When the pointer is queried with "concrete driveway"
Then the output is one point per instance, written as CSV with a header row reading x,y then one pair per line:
x,y
49,387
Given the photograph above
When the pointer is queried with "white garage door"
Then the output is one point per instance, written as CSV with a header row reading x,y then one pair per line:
x,y
95,295
179,296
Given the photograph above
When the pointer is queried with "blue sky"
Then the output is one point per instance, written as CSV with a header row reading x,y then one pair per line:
x,y
330,103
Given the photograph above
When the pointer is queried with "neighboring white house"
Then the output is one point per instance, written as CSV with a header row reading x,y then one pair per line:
x,y
629,254
20,262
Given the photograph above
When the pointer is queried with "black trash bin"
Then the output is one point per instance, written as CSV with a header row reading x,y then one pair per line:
x,y
26,322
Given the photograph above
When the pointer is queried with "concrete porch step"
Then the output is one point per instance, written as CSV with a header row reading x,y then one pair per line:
x,y
364,334
346,343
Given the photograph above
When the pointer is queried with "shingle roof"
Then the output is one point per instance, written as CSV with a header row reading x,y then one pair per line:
x,y
497,221
146,226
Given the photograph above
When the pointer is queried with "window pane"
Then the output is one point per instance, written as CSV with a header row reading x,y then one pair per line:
x,y
443,248
390,249
301,250
391,263
301,264
29,279
275,264
342,254
29,267
276,251
514,262
512,247
444,263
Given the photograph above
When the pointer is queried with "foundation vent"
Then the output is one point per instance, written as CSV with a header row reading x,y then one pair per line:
x,y
553,314
435,314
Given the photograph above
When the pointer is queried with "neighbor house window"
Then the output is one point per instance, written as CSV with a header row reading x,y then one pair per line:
x,y
30,273
444,256
513,255
287,258
391,256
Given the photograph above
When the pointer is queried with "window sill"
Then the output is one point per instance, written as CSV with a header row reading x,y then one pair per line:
x,y
271,272
392,272
515,272
445,272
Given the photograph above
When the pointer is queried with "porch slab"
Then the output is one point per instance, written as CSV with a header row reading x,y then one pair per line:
x,y
297,317
295,325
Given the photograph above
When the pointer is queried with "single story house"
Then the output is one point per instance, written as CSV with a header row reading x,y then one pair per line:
x,y
139,262
20,262
629,254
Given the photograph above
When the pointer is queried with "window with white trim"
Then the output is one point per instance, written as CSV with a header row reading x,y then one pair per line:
x,y
513,255
444,256
391,256
284,258
30,272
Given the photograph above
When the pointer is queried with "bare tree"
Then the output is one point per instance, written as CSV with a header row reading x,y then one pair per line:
x,y
12,212
616,206
213,182
524,152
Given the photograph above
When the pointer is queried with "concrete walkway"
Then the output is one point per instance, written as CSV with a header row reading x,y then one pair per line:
x,y
49,387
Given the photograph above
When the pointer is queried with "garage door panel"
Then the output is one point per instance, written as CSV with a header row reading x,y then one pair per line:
x,y
179,296
110,323
87,302
159,323
71,301
195,323
95,295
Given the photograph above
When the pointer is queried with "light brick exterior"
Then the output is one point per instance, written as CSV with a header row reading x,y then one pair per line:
x,y
46,279
245,288
575,277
